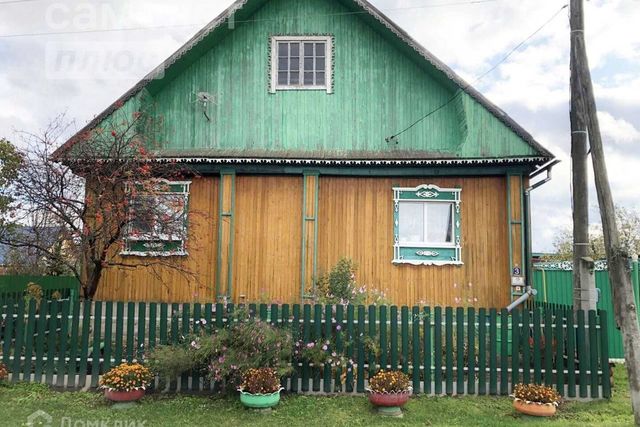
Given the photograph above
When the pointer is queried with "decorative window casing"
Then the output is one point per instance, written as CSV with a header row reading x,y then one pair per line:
x,y
158,220
301,63
426,225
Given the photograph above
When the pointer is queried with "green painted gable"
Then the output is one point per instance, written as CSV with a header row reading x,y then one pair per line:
x,y
381,85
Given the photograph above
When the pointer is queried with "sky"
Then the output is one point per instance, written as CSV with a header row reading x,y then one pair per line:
x,y
120,41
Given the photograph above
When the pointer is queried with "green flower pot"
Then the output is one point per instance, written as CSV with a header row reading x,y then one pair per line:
x,y
260,401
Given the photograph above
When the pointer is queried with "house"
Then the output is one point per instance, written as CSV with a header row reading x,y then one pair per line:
x,y
321,130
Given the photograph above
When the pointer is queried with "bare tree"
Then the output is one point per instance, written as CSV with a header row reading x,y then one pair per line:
x,y
100,194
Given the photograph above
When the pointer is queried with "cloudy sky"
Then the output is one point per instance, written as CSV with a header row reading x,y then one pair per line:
x,y
37,82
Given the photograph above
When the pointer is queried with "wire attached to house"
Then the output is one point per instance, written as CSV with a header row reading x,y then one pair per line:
x,y
393,137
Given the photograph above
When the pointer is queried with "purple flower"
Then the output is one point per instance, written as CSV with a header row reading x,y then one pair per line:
x,y
338,327
311,345
325,347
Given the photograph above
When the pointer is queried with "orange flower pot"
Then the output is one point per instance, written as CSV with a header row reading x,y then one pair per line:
x,y
534,409
124,396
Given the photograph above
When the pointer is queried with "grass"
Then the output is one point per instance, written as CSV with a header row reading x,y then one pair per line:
x,y
88,408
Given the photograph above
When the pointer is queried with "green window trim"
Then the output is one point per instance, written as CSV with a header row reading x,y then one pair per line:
x,y
159,245
427,253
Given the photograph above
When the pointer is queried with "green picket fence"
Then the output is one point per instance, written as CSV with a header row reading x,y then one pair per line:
x,y
13,287
444,350
554,283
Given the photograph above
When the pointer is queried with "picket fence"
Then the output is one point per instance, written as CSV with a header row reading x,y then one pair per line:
x,y
69,344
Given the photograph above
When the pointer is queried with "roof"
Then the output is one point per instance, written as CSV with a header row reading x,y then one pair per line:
x,y
247,7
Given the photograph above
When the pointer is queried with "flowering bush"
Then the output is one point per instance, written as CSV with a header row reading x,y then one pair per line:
x,y
537,393
260,381
339,286
222,355
127,377
389,382
4,373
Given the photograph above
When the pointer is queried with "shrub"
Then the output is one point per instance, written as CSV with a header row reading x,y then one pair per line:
x,y
127,377
339,286
222,355
260,381
389,382
537,393
4,373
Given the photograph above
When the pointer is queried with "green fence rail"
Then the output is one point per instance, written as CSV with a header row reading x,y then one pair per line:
x,y
554,283
444,350
13,287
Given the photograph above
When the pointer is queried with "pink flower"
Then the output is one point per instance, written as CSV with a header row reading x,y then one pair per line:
x,y
325,348
310,345
338,327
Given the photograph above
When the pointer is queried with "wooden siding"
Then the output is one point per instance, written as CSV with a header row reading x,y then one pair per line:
x,y
164,284
355,219
379,90
267,236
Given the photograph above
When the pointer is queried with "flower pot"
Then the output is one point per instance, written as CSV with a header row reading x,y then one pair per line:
x,y
534,409
124,396
260,401
389,399
389,404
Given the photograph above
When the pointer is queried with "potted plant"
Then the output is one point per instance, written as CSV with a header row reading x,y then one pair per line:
x,y
536,400
260,388
126,382
389,391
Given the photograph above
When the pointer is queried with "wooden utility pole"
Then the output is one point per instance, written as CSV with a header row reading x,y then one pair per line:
x,y
623,298
584,289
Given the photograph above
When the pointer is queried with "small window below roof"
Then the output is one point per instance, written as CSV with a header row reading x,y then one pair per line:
x,y
301,63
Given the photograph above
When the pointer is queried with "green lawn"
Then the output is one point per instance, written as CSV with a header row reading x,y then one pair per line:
x,y
17,402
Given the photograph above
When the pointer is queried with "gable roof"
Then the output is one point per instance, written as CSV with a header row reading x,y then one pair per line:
x,y
241,9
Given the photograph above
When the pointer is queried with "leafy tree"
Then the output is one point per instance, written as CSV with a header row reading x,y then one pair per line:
x,y
10,162
628,225
85,193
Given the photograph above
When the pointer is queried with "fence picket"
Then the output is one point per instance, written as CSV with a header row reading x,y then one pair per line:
x,y
317,336
471,345
306,336
72,368
537,359
339,340
19,341
7,334
482,351
593,353
383,337
460,350
108,335
95,356
350,346
583,355
42,322
493,350
295,330
427,348
393,318
559,350
84,343
360,350
119,349
548,347
604,354
415,346
328,326
372,336
525,335
504,350
448,330
404,330
131,319
515,349
437,350
571,354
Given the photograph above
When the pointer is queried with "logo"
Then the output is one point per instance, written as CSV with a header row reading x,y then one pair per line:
x,y
39,418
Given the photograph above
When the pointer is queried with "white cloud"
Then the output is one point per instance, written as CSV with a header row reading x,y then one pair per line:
x,y
617,130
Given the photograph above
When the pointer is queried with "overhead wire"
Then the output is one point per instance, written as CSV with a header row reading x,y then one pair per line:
x,y
478,78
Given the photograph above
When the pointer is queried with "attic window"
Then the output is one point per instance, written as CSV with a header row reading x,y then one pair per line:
x,y
301,63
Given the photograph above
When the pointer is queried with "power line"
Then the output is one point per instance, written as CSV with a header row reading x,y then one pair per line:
x,y
461,90
160,27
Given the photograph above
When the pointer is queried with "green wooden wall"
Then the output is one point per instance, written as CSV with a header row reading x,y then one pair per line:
x,y
379,88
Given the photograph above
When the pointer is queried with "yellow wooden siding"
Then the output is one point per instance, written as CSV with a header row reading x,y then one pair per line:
x,y
356,221
165,284
267,238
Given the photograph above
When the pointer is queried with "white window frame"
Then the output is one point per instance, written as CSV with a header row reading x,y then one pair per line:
x,y
428,253
328,80
155,241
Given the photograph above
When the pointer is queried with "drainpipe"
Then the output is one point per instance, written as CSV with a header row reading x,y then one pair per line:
x,y
528,267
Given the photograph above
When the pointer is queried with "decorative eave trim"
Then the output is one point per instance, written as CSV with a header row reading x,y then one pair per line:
x,y
349,162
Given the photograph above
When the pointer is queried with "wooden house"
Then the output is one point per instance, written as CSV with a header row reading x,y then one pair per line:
x,y
290,111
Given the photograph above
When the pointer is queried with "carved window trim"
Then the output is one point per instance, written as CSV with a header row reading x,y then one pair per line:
x,y
428,253
147,245
327,39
